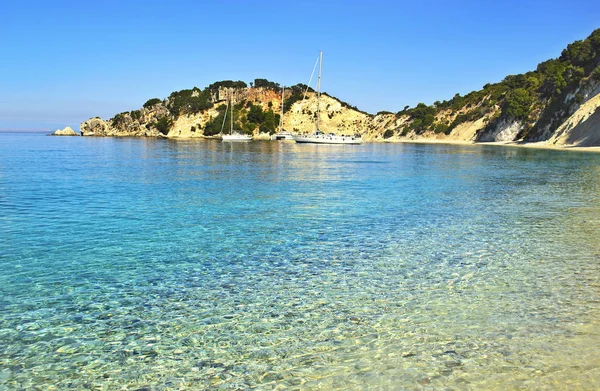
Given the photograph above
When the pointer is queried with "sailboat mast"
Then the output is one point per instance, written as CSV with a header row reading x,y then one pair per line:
x,y
319,86
281,118
231,100
224,117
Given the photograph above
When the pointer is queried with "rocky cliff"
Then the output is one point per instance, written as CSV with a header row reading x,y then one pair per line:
x,y
582,127
335,117
556,104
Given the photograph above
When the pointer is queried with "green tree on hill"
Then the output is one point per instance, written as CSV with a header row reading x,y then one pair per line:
x,y
256,114
151,102
226,84
213,127
517,104
596,73
442,128
270,122
164,124
188,102
264,83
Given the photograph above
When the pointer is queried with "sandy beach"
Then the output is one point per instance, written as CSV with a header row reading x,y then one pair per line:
x,y
536,145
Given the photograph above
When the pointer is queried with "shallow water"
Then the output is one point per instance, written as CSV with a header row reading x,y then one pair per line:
x,y
186,265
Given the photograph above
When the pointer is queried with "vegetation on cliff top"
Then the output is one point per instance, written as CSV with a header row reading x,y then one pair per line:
x,y
533,98
151,102
189,102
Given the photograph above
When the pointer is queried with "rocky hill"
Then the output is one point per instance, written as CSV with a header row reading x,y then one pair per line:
x,y
257,110
557,104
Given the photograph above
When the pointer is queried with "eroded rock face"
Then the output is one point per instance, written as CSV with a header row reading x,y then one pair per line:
x,y
94,127
65,132
125,125
582,128
503,131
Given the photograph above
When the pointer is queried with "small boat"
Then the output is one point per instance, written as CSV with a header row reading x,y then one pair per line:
x,y
282,134
319,137
234,135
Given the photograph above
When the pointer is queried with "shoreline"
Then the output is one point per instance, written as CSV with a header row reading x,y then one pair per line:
x,y
531,145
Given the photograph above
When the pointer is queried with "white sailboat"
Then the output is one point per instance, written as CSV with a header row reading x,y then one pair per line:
x,y
234,135
318,137
282,134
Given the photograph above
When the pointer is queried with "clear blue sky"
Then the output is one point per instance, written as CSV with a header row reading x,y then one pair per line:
x,y
62,62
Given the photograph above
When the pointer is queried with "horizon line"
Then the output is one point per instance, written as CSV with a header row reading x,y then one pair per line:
x,y
24,130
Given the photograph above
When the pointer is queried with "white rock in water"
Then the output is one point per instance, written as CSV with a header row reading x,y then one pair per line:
x,y
65,132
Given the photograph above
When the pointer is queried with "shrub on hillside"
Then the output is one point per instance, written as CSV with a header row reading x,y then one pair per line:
x,y
119,119
256,114
596,73
136,114
227,84
287,104
188,102
164,124
151,102
264,83
517,104
442,128
213,126
270,122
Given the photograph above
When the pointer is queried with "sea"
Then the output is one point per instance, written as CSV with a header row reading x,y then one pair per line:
x,y
149,264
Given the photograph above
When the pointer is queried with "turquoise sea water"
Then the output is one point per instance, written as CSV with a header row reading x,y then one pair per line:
x,y
141,264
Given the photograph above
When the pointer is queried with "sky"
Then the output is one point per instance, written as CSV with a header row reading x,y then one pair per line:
x,y
62,62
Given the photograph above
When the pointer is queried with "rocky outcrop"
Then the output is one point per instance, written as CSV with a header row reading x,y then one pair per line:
x,y
502,131
65,132
192,126
137,123
335,117
95,127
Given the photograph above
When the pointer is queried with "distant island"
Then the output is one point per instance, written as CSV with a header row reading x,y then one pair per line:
x,y
557,104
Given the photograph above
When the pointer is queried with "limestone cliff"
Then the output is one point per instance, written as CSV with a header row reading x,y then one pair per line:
x,y
138,123
335,117
582,128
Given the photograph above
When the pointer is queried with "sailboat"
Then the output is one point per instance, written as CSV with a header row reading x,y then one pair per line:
x,y
234,135
318,137
281,133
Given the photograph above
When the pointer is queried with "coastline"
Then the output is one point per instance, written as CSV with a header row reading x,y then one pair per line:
x,y
266,137
533,145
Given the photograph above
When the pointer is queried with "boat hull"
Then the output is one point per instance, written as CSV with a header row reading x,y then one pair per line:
x,y
328,139
236,137
282,136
